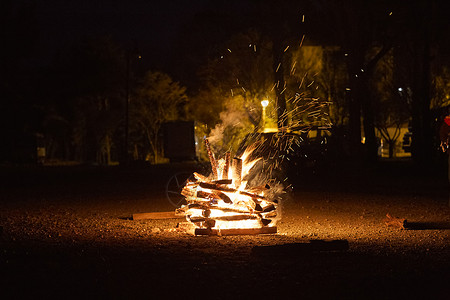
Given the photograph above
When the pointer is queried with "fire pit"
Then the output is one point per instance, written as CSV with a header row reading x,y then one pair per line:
x,y
223,203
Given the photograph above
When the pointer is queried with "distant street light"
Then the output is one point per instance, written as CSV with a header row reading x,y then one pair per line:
x,y
264,104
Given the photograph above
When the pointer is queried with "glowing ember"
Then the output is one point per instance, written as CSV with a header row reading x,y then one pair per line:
x,y
224,201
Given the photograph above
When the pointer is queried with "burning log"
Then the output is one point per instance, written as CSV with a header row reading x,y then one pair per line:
x,y
224,197
191,229
226,167
212,159
236,231
223,181
200,177
188,192
225,218
217,187
237,171
219,205
222,209
207,195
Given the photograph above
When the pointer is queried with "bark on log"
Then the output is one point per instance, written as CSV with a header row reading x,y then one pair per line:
x,y
217,187
212,159
225,218
212,186
200,177
224,197
198,201
210,207
237,171
188,192
226,167
223,181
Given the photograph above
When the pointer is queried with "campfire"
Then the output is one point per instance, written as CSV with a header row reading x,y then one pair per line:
x,y
223,203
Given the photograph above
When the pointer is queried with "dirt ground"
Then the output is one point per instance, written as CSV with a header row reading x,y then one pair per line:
x,y
67,232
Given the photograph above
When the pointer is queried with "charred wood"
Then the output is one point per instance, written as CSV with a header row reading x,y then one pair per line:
x,y
224,218
224,197
223,181
212,159
226,167
218,187
200,177
237,169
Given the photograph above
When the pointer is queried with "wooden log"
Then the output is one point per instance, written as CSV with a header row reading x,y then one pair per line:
x,y
226,167
225,218
213,186
186,227
395,222
257,197
199,201
224,197
207,195
212,159
269,208
217,187
188,192
223,181
235,231
237,171
158,216
271,214
224,209
200,177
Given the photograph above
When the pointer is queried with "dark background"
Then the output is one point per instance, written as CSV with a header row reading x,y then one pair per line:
x,y
42,70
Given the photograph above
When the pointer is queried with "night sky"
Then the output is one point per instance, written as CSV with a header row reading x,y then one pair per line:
x,y
152,26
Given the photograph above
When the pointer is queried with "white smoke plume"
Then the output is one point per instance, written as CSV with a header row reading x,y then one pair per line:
x,y
232,121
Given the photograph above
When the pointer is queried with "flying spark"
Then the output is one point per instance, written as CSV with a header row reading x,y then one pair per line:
x,y
278,67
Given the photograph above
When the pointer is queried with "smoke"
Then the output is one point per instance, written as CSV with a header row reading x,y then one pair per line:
x,y
232,127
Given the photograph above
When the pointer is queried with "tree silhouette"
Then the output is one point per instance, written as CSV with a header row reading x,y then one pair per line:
x,y
87,100
358,27
158,99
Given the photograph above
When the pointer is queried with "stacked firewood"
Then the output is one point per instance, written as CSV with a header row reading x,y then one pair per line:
x,y
222,200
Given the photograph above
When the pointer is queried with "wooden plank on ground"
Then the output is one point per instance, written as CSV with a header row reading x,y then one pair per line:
x,y
158,216
395,222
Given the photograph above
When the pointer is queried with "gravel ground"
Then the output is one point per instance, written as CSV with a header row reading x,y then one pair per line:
x,y
67,232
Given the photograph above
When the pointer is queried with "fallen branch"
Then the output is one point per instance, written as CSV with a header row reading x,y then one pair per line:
x,y
395,222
